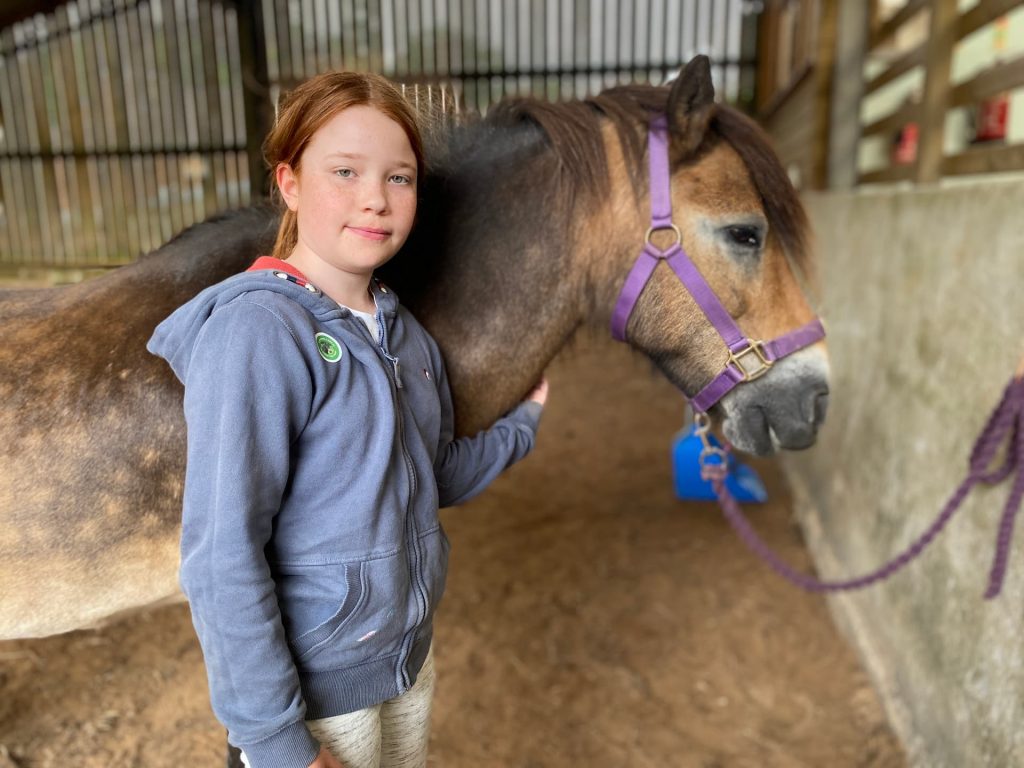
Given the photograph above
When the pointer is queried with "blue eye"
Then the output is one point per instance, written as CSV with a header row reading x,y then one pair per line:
x,y
345,173
400,179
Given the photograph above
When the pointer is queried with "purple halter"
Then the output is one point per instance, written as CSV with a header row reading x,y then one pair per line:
x,y
747,359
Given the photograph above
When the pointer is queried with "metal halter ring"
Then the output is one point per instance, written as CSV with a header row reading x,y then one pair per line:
x,y
673,227
755,348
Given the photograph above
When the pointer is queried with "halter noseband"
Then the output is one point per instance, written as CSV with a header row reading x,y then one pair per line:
x,y
748,359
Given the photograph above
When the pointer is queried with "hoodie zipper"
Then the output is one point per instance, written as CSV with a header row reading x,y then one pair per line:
x,y
415,556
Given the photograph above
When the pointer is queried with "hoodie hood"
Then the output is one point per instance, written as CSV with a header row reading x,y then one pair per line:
x,y
175,337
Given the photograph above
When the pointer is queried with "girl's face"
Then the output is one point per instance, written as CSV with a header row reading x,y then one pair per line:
x,y
355,195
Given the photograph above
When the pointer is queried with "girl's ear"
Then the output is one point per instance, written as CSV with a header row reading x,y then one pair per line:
x,y
288,184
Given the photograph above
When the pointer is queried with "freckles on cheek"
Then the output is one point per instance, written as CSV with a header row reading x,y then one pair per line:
x,y
320,210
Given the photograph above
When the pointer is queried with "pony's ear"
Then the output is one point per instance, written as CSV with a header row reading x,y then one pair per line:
x,y
691,103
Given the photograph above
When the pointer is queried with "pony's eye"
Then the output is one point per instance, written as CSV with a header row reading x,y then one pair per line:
x,y
747,237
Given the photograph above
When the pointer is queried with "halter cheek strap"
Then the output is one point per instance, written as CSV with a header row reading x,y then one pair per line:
x,y
747,359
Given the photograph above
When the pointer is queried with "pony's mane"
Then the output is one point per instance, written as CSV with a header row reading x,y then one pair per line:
x,y
573,129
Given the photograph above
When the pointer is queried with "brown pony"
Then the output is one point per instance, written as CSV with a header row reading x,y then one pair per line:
x,y
529,224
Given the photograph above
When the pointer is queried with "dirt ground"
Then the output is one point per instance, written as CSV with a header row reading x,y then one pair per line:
x,y
591,620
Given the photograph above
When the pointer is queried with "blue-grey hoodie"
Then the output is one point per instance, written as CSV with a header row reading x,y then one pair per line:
x,y
311,552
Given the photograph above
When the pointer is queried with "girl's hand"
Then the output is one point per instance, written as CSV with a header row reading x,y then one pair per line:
x,y
539,394
325,760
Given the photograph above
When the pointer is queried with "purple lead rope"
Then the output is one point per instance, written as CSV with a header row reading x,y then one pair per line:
x,y
1007,418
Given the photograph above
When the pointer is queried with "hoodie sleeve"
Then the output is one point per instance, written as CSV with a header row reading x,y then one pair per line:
x,y
465,467
247,397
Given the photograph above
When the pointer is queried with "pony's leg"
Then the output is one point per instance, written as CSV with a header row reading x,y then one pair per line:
x,y
234,757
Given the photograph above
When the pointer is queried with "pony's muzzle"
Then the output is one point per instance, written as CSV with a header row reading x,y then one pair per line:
x,y
781,411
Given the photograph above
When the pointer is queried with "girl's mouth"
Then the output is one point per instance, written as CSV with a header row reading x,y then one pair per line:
x,y
378,235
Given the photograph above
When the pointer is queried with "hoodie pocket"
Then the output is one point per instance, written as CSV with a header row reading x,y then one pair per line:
x,y
355,594
369,620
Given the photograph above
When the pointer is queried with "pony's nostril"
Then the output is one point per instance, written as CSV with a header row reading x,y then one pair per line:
x,y
820,407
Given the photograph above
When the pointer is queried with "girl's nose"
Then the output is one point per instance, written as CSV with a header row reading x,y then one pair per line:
x,y
375,198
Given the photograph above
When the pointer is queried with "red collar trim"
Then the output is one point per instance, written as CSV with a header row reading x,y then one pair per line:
x,y
269,262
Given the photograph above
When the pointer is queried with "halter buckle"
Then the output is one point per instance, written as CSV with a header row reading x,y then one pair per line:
x,y
751,361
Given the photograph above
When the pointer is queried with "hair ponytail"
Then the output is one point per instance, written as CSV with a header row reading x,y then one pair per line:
x,y
287,235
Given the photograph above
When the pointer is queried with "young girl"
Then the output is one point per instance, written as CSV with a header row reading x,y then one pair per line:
x,y
319,448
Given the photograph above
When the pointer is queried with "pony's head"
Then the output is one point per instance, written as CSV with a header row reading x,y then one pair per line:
x,y
741,223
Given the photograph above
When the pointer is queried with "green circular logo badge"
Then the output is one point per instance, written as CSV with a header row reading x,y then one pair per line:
x,y
330,349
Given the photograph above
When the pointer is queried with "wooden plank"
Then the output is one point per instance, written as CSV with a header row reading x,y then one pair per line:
x,y
319,39
170,46
768,53
935,101
890,174
171,216
250,64
70,107
61,170
13,211
211,200
985,12
9,241
151,77
221,78
111,92
174,193
824,63
912,58
784,95
29,251
283,17
908,113
307,36
32,90
148,103
135,84
184,184
985,160
87,86
154,200
182,35
268,20
874,13
244,183
220,124
236,83
207,114
54,181
888,28
991,82
231,180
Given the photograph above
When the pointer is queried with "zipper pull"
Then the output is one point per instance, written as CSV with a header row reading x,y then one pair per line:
x,y
398,373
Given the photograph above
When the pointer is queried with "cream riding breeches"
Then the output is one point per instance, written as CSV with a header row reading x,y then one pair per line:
x,y
392,734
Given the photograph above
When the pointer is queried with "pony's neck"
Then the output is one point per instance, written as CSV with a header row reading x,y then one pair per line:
x,y
493,244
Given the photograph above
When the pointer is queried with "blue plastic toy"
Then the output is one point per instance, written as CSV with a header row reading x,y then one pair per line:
x,y
742,481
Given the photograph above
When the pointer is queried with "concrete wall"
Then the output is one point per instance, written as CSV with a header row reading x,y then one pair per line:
x,y
924,303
